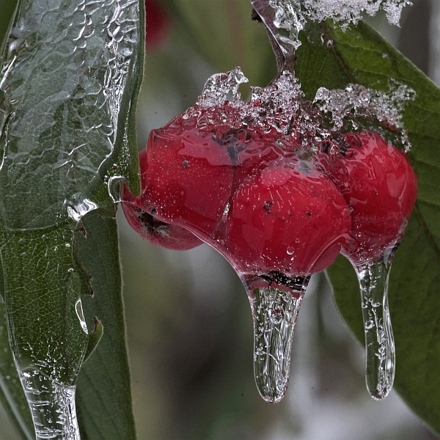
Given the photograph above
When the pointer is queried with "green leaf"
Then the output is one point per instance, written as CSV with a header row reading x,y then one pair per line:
x,y
62,131
7,7
11,391
332,58
68,99
104,395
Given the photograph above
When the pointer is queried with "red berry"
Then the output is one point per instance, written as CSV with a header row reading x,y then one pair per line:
x,y
186,176
380,187
286,221
155,231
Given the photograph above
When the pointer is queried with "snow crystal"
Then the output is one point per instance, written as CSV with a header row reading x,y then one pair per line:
x,y
351,10
290,16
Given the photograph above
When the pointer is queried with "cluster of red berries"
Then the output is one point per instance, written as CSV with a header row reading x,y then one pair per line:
x,y
268,204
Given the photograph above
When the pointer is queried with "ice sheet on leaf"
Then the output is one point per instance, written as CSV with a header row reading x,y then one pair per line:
x,y
62,86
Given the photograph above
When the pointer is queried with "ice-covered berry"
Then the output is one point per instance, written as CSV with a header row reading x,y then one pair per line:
x,y
287,221
380,187
155,231
186,176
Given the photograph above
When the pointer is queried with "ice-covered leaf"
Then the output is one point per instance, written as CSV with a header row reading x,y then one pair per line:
x,y
70,76
11,391
332,58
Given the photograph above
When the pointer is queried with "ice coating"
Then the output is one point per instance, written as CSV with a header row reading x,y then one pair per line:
x,y
282,109
379,340
52,406
286,18
350,11
274,314
257,156
348,108
64,75
279,108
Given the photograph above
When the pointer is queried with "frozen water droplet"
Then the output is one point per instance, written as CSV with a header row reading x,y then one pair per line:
x,y
80,313
114,185
222,87
379,339
274,311
78,207
52,406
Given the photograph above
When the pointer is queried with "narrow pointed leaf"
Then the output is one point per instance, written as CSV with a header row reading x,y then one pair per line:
x,y
104,394
70,76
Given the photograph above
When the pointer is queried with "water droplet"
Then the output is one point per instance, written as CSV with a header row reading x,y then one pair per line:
x,y
114,185
379,339
275,308
78,207
80,313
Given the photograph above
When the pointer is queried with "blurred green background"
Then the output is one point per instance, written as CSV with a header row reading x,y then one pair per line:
x,y
188,319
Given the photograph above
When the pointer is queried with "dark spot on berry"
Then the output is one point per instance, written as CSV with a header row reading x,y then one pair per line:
x,y
309,213
185,164
267,205
151,224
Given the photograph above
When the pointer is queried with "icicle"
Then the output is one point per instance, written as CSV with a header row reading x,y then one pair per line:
x,y
274,312
379,340
52,406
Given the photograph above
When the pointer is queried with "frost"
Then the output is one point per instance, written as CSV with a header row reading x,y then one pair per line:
x,y
351,11
286,18
222,87
279,108
281,111
355,102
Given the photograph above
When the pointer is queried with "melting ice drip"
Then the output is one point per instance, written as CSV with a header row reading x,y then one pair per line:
x,y
274,313
379,340
52,406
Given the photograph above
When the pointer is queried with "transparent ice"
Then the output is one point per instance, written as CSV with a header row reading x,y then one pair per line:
x,y
68,86
274,312
346,107
222,87
351,10
65,72
379,340
52,406
286,18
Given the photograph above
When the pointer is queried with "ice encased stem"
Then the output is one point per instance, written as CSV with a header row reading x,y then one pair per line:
x,y
52,406
379,340
274,313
